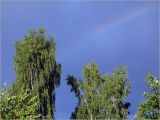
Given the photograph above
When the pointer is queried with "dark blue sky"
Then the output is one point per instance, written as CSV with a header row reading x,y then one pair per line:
x,y
110,33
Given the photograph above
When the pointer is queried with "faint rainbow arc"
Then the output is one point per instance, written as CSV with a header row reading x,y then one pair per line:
x,y
109,25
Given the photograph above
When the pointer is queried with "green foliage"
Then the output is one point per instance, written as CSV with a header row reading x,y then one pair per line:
x,y
18,106
36,67
100,96
150,109
37,71
32,95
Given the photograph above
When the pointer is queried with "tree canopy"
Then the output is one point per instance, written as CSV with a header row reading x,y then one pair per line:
x,y
150,109
18,106
32,95
37,70
100,96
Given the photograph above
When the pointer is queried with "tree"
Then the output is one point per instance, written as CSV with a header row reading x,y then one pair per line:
x,y
21,106
73,82
100,96
37,69
150,109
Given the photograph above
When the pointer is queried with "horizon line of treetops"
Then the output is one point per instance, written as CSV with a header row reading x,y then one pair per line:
x,y
32,95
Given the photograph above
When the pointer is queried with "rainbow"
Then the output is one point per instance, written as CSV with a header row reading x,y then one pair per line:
x,y
120,20
109,25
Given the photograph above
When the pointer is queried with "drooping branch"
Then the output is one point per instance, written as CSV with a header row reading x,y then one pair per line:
x,y
36,67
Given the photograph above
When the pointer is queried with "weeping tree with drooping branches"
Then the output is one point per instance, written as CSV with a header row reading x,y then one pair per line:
x,y
36,68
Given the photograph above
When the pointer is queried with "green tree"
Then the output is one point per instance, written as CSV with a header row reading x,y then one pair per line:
x,y
150,109
20,106
36,68
100,96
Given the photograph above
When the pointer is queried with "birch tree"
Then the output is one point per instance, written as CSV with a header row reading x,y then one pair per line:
x,y
36,68
100,96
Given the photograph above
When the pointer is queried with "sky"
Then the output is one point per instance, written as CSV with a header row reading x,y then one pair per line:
x,y
111,33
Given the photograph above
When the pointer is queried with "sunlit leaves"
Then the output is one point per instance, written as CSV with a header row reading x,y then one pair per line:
x,y
100,96
150,109
18,106
36,68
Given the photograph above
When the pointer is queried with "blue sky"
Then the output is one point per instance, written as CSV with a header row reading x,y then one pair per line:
x,y
110,33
